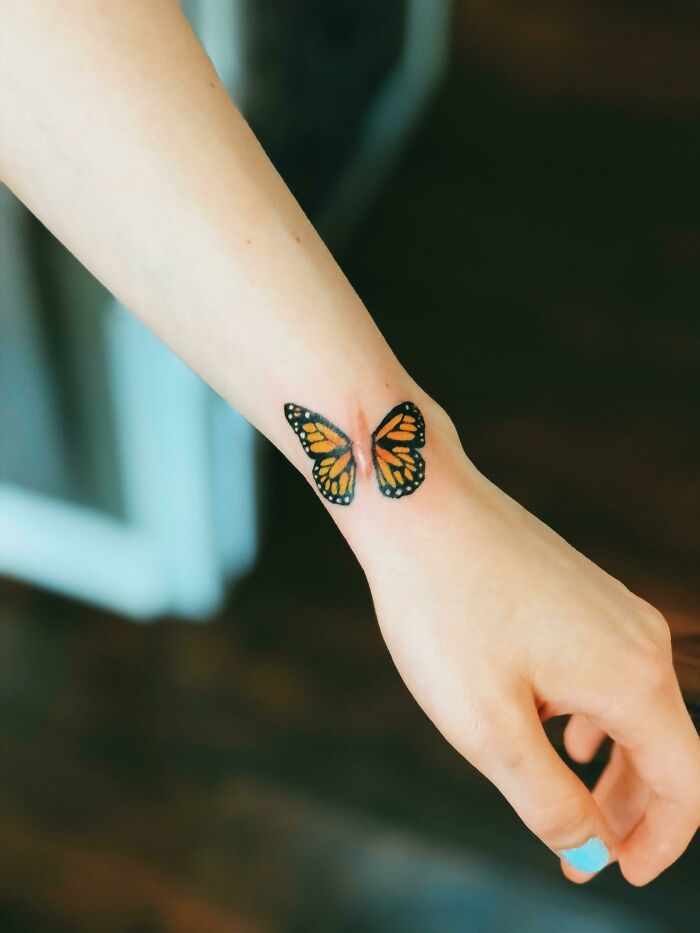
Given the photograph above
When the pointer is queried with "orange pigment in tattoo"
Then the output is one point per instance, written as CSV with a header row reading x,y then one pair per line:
x,y
399,467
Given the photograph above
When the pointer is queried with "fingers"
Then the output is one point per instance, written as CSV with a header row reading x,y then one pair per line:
x,y
546,794
659,839
621,793
669,760
582,737
623,798
663,752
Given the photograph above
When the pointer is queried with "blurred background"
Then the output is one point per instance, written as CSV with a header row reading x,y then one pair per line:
x,y
187,742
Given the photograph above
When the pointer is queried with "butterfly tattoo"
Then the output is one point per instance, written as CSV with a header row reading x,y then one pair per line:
x,y
398,465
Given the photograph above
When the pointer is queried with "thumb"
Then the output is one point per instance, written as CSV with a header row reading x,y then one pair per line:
x,y
549,798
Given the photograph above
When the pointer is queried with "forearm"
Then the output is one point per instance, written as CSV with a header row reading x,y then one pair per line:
x,y
118,135
115,131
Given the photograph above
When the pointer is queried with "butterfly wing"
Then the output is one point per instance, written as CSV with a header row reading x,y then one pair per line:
x,y
330,449
399,467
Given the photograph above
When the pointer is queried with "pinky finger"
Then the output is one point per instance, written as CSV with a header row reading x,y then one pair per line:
x,y
582,737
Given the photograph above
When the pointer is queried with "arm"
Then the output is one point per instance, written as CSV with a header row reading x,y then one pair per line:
x,y
117,134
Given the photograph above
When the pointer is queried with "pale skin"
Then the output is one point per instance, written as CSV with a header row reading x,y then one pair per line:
x,y
116,132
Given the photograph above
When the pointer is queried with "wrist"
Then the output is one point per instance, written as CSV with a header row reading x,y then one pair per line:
x,y
384,529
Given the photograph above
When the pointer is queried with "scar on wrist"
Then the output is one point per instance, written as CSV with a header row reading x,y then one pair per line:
x,y
363,454
393,451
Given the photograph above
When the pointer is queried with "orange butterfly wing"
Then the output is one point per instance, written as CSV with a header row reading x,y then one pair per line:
x,y
330,449
399,467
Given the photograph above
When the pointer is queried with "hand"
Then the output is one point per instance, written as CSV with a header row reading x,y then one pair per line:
x,y
495,623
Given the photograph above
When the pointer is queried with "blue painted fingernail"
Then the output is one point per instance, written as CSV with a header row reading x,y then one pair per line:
x,y
590,857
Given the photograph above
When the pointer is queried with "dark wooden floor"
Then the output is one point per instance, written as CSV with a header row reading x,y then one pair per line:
x,y
260,773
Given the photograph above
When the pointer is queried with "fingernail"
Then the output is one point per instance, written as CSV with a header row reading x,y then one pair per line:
x,y
592,856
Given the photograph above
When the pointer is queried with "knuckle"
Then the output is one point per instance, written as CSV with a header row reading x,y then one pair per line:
x,y
657,627
650,666
562,821
664,850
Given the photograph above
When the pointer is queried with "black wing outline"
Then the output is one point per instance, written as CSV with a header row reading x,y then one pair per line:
x,y
334,469
399,467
